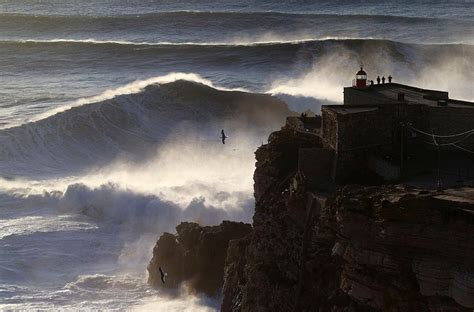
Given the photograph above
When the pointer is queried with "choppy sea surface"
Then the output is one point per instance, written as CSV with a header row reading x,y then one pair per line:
x,y
100,152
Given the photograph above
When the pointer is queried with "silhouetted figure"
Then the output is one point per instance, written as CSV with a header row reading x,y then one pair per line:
x,y
163,275
390,79
223,136
378,79
371,83
383,79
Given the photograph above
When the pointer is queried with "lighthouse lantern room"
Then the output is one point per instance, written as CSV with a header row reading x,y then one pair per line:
x,y
361,79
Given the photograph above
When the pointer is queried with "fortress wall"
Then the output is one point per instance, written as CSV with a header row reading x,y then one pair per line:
x,y
357,132
364,130
359,135
452,120
349,164
329,126
357,97
317,165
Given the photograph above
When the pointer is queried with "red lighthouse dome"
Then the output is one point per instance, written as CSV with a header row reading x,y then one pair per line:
x,y
361,79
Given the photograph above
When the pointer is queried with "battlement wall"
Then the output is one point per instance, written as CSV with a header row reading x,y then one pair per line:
x,y
357,97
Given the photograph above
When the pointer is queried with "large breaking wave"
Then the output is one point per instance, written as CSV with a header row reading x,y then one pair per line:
x,y
276,43
133,125
317,69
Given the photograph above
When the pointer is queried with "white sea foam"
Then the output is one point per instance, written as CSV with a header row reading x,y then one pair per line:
x,y
97,230
266,39
222,180
33,224
330,73
191,303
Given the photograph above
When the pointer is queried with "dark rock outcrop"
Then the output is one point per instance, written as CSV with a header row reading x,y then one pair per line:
x,y
406,249
234,278
195,255
272,266
383,248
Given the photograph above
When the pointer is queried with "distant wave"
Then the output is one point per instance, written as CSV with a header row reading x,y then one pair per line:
x,y
207,14
184,44
159,28
326,55
166,43
257,14
229,44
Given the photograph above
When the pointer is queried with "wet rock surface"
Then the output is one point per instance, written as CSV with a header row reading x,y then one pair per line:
x,y
195,255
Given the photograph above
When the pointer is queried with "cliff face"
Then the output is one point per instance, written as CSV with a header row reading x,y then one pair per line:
x,y
195,255
386,248
405,248
270,278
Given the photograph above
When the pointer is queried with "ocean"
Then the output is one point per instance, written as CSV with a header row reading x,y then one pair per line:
x,y
111,111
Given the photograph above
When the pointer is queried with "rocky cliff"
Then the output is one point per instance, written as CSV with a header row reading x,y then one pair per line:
x,y
381,248
405,249
195,255
314,248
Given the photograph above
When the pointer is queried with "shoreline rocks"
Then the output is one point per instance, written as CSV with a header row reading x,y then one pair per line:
x,y
195,255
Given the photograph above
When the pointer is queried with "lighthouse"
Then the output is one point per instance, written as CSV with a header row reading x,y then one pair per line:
x,y
361,79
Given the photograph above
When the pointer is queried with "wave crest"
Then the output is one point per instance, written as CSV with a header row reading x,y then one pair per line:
x,y
132,122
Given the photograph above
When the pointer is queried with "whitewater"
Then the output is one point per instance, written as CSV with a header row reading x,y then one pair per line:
x,y
110,117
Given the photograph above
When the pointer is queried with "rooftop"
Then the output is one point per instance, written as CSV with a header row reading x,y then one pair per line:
x,y
352,109
412,95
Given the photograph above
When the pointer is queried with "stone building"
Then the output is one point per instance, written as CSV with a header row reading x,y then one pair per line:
x,y
386,131
385,128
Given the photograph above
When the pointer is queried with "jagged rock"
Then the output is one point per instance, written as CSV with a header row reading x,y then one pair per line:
x,y
234,278
195,255
268,278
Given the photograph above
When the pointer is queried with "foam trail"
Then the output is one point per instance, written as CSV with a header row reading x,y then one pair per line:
x,y
269,39
33,224
187,304
324,81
